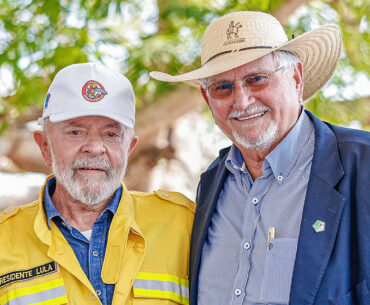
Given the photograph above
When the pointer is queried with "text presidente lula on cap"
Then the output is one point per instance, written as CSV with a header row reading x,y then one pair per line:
x,y
90,89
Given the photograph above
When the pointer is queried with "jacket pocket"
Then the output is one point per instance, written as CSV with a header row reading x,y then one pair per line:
x,y
149,285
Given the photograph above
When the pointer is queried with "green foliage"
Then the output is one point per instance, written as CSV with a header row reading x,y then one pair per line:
x,y
39,37
347,14
354,18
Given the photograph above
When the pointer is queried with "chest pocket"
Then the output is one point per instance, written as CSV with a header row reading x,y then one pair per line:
x,y
39,285
277,277
162,286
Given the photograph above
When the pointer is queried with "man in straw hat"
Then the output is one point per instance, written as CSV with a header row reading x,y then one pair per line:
x,y
87,239
283,214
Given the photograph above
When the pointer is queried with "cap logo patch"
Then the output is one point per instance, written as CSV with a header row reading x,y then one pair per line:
x,y
93,91
232,33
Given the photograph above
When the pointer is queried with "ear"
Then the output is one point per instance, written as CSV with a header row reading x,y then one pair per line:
x,y
298,77
42,142
204,94
133,144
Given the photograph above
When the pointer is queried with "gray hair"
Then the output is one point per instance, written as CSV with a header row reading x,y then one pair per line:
x,y
285,59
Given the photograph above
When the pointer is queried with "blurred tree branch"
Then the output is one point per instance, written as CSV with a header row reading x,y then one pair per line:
x,y
40,37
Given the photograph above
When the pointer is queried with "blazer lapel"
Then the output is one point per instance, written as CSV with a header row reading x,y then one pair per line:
x,y
210,185
322,203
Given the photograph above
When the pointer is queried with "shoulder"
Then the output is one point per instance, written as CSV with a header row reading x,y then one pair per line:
x,y
13,213
165,198
350,136
343,135
352,144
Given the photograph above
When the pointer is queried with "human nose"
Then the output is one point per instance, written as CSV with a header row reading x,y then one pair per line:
x,y
242,96
94,145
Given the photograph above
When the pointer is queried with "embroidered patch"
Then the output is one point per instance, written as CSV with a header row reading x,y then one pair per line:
x,y
93,91
24,275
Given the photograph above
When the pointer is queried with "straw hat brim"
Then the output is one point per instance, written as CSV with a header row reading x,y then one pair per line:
x,y
319,51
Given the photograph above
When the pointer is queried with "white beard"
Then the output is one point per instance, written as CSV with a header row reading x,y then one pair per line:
x,y
89,190
262,142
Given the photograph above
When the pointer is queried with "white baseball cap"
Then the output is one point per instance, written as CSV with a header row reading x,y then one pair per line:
x,y
90,89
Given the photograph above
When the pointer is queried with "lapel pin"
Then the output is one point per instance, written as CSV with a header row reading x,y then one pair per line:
x,y
319,226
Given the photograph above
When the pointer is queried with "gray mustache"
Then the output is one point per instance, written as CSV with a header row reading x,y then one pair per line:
x,y
97,163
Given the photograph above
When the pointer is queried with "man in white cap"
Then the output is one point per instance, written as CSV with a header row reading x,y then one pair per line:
x,y
87,240
283,214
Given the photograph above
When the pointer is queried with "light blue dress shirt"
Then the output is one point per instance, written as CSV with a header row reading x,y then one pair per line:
x,y
90,254
239,266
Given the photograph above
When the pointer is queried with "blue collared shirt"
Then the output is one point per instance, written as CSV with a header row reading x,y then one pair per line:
x,y
239,266
90,254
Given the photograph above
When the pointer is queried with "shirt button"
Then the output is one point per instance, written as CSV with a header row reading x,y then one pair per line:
x,y
63,224
255,200
238,292
280,178
92,296
247,246
98,292
95,253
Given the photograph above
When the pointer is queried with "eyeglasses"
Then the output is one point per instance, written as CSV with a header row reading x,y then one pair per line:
x,y
255,82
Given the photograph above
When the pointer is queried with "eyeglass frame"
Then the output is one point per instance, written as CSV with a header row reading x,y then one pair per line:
x,y
269,76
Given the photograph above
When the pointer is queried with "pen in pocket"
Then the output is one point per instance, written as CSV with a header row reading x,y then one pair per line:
x,y
270,236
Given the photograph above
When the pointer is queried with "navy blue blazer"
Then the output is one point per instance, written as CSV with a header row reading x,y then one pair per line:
x,y
331,267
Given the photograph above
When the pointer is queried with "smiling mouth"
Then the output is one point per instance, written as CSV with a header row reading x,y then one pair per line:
x,y
91,169
256,115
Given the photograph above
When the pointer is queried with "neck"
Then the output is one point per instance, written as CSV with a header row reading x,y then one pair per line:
x,y
79,215
253,161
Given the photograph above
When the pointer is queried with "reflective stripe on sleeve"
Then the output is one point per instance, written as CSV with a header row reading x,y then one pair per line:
x,y
161,286
48,293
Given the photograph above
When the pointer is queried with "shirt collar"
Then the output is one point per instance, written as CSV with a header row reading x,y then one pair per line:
x,y
236,165
52,212
282,159
234,161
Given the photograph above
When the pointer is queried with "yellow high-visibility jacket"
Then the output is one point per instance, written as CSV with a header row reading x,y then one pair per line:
x,y
146,257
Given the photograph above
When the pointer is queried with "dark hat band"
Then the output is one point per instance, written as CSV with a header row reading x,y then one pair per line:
x,y
231,51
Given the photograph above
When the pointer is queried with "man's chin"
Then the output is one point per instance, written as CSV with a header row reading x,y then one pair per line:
x,y
94,192
90,174
257,141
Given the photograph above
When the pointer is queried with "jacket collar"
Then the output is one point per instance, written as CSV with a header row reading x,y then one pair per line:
x,y
123,224
209,188
323,202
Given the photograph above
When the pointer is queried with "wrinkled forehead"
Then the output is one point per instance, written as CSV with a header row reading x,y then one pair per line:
x,y
88,122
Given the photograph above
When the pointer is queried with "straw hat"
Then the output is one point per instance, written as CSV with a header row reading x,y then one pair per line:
x,y
241,37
